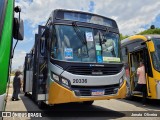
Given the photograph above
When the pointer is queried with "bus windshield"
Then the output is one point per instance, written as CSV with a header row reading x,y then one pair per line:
x,y
83,44
156,54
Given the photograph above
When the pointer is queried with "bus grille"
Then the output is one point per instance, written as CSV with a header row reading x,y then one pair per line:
x,y
86,90
94,71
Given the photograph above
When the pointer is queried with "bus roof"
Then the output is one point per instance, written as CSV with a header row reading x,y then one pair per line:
x,y
81,16
67,10
142,37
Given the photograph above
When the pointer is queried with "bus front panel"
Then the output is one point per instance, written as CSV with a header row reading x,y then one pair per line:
x,y
67,87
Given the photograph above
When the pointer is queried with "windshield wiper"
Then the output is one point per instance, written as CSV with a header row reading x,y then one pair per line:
x,y
100,42
102,39
80,35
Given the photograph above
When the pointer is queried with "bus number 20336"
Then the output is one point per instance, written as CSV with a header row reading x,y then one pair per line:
x,y
79,80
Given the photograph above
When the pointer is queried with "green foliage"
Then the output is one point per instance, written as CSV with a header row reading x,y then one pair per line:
x,y
123,36
150,31
145,32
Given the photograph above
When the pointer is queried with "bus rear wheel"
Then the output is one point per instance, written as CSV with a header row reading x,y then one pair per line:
x,y
26,94
41,105
88,102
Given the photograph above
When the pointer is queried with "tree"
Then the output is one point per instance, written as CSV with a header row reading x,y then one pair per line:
x,y
123,36
150,31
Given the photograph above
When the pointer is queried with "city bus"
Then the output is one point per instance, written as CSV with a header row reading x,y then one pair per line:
x,y
7,32
75,58
146,48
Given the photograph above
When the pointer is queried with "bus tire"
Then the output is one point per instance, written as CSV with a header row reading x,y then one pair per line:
x,y
88,102
26,94
41,105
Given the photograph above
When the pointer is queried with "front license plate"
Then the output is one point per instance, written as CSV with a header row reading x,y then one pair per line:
x,y
97,92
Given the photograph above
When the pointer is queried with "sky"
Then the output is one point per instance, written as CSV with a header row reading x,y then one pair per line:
x,y
132,16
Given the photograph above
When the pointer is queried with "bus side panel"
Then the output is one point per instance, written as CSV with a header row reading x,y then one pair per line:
x,y
5,46
28,85
152,88
157,83
154,84
158,90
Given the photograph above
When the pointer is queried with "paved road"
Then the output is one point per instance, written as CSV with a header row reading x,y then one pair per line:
x,y
115,108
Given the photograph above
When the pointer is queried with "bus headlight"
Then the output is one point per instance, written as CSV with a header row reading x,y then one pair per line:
x,y
55,77
65,82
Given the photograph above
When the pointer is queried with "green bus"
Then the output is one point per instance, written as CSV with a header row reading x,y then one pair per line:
x,y
9,27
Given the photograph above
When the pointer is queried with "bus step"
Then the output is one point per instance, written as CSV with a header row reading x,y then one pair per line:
x,y
136,93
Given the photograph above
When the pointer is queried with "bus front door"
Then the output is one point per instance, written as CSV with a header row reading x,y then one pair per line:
x,y
133,65
134,59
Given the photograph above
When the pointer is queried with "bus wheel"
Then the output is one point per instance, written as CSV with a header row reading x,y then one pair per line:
x,y
41,105
88,102
26,94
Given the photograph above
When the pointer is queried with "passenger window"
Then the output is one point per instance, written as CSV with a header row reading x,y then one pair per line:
x,y
124,55
42,46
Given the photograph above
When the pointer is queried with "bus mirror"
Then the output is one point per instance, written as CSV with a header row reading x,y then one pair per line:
x,y
151,46
18,29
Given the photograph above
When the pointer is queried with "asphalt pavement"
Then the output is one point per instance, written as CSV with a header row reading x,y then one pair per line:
x,y
103,109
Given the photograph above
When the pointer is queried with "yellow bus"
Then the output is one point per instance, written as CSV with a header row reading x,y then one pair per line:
x,y
75,58
146,48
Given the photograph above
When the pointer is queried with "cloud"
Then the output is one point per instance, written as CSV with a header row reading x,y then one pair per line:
x,y
39,10
18,59
91,6
130,15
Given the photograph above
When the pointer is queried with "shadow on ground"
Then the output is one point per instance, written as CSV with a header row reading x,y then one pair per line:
x,y
72,111
151,104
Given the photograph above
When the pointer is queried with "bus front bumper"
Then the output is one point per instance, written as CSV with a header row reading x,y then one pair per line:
x,y
59,94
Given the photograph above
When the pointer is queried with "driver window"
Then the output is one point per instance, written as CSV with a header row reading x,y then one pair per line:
x,y
54,44
108,48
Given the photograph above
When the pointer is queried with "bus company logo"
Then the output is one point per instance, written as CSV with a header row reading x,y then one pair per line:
x,y
6,114
97,73
92,65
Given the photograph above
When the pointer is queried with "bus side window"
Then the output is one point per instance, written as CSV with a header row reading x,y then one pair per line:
x,y
124,55
54,43
42,46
